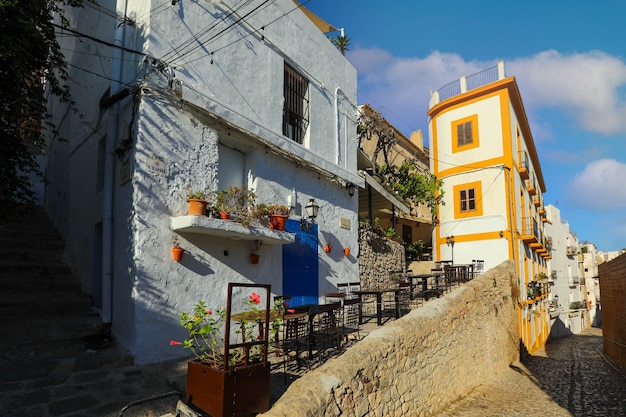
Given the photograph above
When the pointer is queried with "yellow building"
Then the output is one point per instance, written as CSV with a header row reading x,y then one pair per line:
x,y
483,151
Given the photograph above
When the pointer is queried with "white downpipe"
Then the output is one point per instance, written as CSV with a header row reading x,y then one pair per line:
x,y
109,167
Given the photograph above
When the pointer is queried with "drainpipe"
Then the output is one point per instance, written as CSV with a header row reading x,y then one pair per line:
x,y
109,167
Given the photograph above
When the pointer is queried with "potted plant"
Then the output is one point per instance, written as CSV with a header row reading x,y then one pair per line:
x,y
177,251
196,202
278,215
237,203
220,377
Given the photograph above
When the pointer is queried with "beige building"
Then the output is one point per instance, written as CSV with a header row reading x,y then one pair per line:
x,y
382,144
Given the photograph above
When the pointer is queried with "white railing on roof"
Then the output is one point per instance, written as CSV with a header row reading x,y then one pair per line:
x,y
467,83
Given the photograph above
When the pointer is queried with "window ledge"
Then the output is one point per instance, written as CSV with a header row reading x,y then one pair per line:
x,y
229,229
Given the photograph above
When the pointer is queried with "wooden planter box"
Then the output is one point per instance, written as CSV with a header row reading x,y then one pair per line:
x,y
236,392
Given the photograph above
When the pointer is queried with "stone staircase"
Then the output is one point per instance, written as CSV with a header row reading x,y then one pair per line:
x,y
47,325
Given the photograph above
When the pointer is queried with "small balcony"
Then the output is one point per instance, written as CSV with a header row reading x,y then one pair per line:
x,y
530,231
531,186
524,167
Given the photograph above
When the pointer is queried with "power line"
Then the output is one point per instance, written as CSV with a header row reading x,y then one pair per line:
x,y
205,42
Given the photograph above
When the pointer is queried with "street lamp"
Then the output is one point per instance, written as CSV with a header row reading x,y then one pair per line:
x,y
450,242
311,210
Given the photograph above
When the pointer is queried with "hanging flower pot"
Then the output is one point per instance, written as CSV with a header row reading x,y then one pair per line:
x,y
196,207
328,248
346,251
278,221
177,253
254,258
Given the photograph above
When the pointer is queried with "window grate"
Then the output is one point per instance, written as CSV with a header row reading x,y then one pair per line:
x,y
296,105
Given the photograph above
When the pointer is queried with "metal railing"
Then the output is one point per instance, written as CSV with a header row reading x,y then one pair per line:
x,y
450,90
482,78
470,82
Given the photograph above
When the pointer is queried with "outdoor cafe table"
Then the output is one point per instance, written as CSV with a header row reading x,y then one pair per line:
x,y
378,292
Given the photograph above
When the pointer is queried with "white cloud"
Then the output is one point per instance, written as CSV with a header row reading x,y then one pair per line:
x,y
599,187
585,86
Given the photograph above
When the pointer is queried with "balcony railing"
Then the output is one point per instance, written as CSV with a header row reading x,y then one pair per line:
x,y
524,169
530,186
530,230
468,83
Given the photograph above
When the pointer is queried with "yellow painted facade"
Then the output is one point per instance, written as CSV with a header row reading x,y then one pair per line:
x,y
483,151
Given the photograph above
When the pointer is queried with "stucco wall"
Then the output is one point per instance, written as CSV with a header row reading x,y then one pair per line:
x,y
613,289
420,363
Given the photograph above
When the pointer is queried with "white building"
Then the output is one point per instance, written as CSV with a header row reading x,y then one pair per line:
x,y
568,309
207,95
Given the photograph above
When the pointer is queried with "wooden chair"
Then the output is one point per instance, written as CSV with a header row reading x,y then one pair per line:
x,y
325,335
334,297
478,266
350,323
296,337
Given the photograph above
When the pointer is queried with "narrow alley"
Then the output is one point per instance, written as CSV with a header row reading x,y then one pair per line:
x,y
571,376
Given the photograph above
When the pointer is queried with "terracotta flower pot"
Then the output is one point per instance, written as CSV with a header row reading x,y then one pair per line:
x,y
346,251
254,258
278,221
224,215
177,253
196,207
328,248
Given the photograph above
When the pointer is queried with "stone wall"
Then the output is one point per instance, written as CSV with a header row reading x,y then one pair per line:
x,y
419,364
613,295
378,258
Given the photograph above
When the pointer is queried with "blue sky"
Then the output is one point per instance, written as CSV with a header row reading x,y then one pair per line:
x,y
569,60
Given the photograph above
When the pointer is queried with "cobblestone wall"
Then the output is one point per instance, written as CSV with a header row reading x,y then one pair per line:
x,y
420,363
378,257
613,295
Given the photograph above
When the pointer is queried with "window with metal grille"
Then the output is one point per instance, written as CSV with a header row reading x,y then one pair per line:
x,y
296,105
467,200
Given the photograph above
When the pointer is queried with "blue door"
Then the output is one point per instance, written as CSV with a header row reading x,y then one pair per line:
x,y
300,265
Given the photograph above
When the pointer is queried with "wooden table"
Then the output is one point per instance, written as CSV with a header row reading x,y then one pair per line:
x,y
378,292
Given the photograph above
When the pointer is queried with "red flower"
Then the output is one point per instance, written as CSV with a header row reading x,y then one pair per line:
x,y
174,342
209,312
255,298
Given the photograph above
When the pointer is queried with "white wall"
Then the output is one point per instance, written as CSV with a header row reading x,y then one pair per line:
x,y
243,87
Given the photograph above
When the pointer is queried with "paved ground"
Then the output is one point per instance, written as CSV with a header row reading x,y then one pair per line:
x,y
571,376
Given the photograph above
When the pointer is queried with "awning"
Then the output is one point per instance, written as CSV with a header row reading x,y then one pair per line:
x,y
322,25
384,197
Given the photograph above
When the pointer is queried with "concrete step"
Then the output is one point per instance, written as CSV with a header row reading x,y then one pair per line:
x,y
17,243
26,281
20,234
45,363
33,267
22,305
21,253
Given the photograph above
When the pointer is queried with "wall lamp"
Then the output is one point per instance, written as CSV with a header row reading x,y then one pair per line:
x,y
450,242
311,210
351,188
